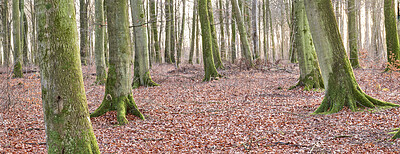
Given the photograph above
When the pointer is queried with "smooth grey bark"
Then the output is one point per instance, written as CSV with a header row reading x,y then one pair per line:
x,y
194,28
66,116
180,43
17,39
352,30
84,30
255,29
101,73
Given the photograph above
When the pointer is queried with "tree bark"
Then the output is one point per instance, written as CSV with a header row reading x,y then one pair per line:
x,y
68,126
392,39
192,41
17,40
210,72
180,42
172,32
153,19
6,35
167,32
255,29
101,74
242,31
118,93
310,74
341,87
216,53
84,26
352,30
141,64
222,32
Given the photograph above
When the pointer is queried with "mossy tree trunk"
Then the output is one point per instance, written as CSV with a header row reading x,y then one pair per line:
x,y
6,31
352,30
194,28
233,45
242,32
180,42
84,26
141,64
167,32
66,116
255,29
153,18
118,93
310,74
17,39
210,72
222,32
172,32
216,54
101,74
341,87
392,39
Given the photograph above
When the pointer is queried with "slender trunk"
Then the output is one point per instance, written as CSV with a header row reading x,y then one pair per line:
x,y
6,35
101,74
216,53
221,20
255,29
167,32
63,94
210,72
352,30
153,19
233,45
84,30
17,40
242,32
172,32
180,43
192,42
197,37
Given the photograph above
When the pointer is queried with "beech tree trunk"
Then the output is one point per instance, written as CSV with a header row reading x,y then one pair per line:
x,y
216,53
153,19
352,30
222,33
210,72
242,32
66,116
6,33
193,40
141,64
101,74
255,29
172,32
392,39
118,93
310,74
84,32
17,39
180,42
167,32
341,87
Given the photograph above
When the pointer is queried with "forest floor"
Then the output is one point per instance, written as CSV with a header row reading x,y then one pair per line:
x,y
246,111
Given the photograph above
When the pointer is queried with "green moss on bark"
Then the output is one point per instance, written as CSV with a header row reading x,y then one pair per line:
x,y
392,38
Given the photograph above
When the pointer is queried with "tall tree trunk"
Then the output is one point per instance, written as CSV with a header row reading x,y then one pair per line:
x,y
341,87
84,30
180,43
392,39
233,45
197,37
118,93
141,64
101,74
221,20
6,31
17,40
167,32
242,32
352,30
216,54
24,32
172,32
266,30
153,19
66,115
255,29
310,74
210,72
192,41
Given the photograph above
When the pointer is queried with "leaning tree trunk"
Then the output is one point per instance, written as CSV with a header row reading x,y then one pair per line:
x,y
210,72
141,64
216,54
84,30
392,39
352,30
180,43
66,116
101,74
310,74
192,41
153,19
242,32
17,40
341,87
118,93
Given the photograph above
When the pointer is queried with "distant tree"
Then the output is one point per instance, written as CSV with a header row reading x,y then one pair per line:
x,y
210,72
66,116
153,19
222,30
101,73
194,29
392,39
172,32
6,32
118,93
17,39
254,23
352,30
142,75
341,87
242,31
180,42
310,74
167,47
84,30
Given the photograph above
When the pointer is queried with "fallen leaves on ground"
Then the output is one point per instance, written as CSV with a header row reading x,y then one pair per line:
x,y
246,111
